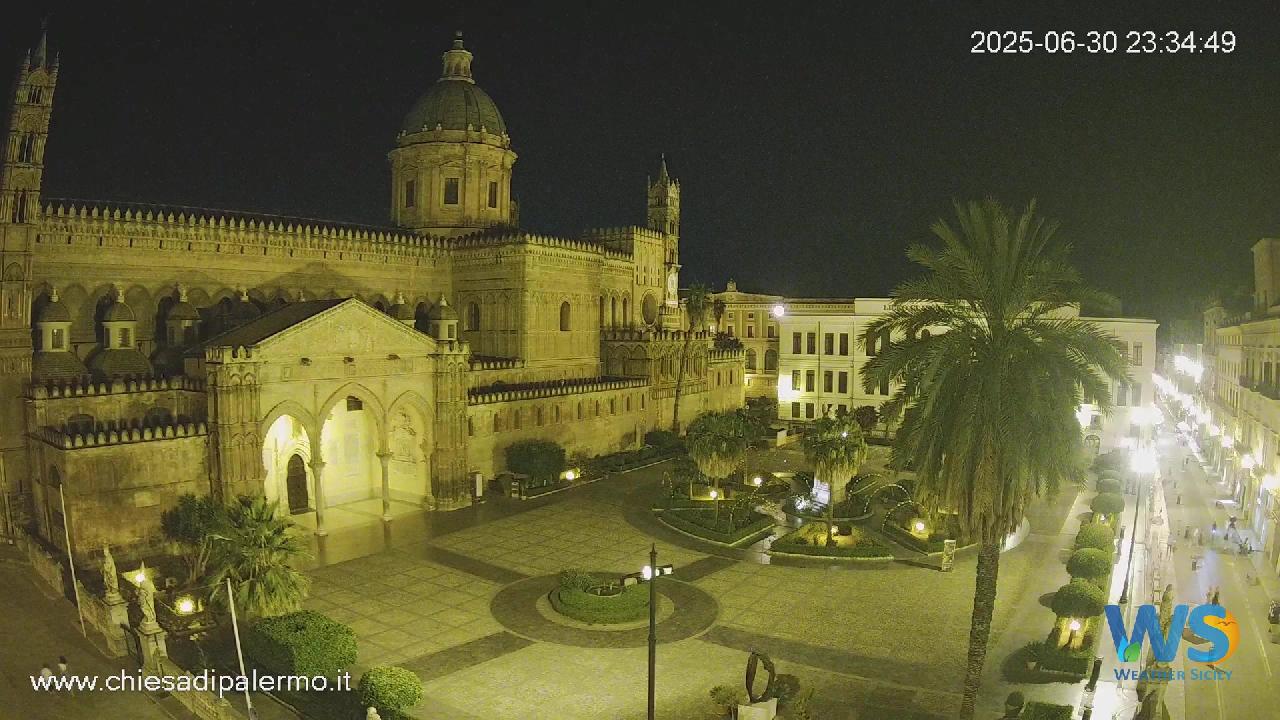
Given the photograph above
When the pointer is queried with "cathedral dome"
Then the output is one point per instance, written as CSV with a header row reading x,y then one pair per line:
x,y
455,102
183,309
442,311
54,311
119,311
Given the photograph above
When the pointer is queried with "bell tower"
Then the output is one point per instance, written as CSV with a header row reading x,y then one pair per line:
x,y
30,104
664,218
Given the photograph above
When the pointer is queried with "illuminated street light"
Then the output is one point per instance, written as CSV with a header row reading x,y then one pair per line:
x,y
757,481
1074,626
779,311
919,526
185,605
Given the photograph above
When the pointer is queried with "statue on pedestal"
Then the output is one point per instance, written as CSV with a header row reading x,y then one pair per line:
x,y
147,603
110,578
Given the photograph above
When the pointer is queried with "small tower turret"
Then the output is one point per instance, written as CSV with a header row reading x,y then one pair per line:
x,y
442,321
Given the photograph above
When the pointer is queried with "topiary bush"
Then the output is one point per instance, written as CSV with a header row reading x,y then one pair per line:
x,y
301,643
541,460
728,698
1089,563
1096,535
390,689
1079,599
1108,504
1108,485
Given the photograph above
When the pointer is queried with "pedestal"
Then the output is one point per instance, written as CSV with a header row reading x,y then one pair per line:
x,y
763,710
151,641
118,621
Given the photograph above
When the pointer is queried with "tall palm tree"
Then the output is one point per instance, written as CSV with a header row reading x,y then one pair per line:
x,y
696,305
837,449
990,401
717,442
717,311
257,550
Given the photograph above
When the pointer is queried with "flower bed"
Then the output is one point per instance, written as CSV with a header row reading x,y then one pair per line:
x,y
704,523
810,539
631,604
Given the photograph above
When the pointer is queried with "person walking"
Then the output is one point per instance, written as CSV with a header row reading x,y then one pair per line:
x,y
1179,498
62,671
1216,591
1199,538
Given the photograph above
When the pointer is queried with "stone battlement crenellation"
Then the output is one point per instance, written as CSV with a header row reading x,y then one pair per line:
x,y
487,239
647,335
114,387
484,396
68,438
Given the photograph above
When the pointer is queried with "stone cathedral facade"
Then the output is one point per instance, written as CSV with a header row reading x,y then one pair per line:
x,y
150,351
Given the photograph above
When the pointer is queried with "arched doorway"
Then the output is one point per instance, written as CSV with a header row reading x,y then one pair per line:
x,y
296,485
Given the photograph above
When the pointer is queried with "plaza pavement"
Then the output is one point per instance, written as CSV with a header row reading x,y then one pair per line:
x,y
876,640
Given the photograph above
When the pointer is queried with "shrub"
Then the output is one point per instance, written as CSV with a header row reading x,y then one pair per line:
x,y
541,460
1046,711
703,523
797,542
575,579
1089,563
390,689
786,687
1108,504
1078,598
663,439
1108,485
301,643
1095,535
728,698
631,604
1015,700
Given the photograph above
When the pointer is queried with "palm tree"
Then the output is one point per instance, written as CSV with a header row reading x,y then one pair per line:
x,y
717,442
717,311
696,305
837,449
990,401
257,551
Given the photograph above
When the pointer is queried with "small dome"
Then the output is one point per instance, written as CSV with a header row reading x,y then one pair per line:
x,y
442,311
455,102
119,312
108,364
402,310
183,309
54,310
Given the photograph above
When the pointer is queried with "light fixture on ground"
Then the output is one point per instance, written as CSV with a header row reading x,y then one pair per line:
x,y
757,481
715,498
185,605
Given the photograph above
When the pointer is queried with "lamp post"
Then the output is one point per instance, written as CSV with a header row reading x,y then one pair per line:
x,y
1142,463
715,498
650,574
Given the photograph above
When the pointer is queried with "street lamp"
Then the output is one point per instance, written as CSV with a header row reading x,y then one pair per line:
x,y
650,574
1143,462
715,498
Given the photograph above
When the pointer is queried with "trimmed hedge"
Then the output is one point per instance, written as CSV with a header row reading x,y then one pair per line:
x,y
1079,598
702,522
1046,711
1108,485
1109,504
1096,535
541,460
390,688
1076,663
796,543
631,459
1090,564
904,537
301,643
631,604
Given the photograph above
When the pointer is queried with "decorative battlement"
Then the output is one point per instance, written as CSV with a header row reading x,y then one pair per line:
x,y
507,237
71,438
625,234
115,387
714,355
648,335
533,391
209,230
495,363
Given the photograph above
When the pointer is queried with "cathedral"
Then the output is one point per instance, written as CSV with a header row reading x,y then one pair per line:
x,y
151,351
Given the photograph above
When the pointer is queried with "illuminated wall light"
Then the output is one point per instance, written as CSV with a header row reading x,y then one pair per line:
x,y
779,311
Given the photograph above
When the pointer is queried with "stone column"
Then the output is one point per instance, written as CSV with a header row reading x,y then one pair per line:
x,y
317,472
385,459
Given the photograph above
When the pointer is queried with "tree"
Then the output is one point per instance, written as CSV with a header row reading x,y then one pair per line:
x,y
991,392
193,523
1090,563
1107,504
696,305
717,311
717,442
541,460
1080,600
759,414
867,416
837,449
257,549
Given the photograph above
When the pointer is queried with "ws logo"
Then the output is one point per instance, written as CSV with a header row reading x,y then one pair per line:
x,y
1211,622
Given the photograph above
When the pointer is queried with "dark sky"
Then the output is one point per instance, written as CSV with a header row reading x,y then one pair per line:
x,y
813,141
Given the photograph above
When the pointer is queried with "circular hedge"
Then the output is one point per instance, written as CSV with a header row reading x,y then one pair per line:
x,y
1078,598
1107,504
1089,563
584,606
1108,485
390,689
1096,535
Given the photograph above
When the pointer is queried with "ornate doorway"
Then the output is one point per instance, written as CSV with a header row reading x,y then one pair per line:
x,y
296,485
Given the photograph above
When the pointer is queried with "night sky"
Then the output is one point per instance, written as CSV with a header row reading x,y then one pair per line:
x,y
813,141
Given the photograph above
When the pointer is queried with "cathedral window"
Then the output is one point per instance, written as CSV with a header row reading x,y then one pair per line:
x,y
126,338
35,95
565,312
811,343
493,194
58,339
451,191
410,191
27,148
473,316
751,331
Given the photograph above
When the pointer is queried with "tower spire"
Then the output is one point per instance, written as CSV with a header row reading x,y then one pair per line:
x,y
42,47
457,61
663,177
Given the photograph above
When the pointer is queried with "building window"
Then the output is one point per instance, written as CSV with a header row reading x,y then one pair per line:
x,y
808,380
27,148
1121,395
1137,353
844,343
841,410
410,191
871,344
1135,394
751,331
473,316
493,194
564,316
795,379
451,193
826,381
730,314
126,338
795,343
770,360
555,413
884,387
34,95
808,410
628,404
471,428
829,344
582,412
844,382
772,331
811,343
751,359
795,410
58,339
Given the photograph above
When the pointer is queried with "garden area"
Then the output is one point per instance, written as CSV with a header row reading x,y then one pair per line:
x,y
846,541
586,598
